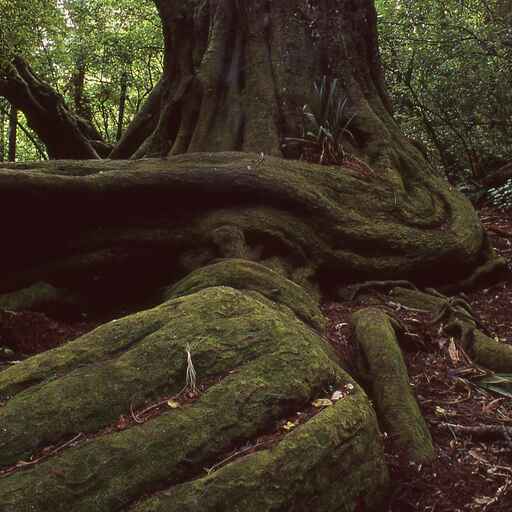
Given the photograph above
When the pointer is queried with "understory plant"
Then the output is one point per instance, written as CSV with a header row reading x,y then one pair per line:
x,y
325,124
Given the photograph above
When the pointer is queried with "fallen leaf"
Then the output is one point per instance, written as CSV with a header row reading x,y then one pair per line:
x,y
453,351
173,404
337,395
322,402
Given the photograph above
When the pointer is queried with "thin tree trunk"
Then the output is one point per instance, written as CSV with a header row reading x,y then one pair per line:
x,y
80,101
34,141
13,129
122,104
2,133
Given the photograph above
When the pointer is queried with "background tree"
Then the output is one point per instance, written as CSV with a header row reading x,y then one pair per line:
x,y
447,68
89,42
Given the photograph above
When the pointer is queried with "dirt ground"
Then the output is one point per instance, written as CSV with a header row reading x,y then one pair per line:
x,y
471,472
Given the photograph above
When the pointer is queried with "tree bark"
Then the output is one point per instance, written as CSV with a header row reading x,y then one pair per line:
x,y
122,103
2,132
64,134
241,73
13,134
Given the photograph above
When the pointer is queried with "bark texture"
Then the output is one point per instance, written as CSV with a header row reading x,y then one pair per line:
x,y
65,134
237,75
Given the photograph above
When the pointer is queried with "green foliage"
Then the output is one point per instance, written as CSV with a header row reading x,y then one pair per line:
x,y
325,124
27,24
448,66
86,50
500,383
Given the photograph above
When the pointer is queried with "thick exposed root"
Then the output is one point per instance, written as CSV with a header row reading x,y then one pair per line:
x,y
263,365
382,369
350,293
317,467
247,275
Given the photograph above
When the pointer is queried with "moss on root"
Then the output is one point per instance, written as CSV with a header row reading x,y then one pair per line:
x,y
320,466
382,368
38,296
269,364
318,221
225,329
458,321
246,275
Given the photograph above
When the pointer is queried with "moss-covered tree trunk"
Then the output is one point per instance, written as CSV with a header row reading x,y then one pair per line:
x,y
237,75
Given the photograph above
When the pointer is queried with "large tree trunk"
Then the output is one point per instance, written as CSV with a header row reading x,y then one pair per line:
x,y
237,75
230,252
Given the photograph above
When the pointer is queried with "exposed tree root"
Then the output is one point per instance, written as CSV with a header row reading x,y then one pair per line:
x,y
499,432
382,369
492,269
351,292
458,319
272,365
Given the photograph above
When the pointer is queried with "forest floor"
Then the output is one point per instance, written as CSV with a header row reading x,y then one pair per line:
x,y
468,473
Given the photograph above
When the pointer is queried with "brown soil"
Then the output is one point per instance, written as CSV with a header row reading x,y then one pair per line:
x,y
29,332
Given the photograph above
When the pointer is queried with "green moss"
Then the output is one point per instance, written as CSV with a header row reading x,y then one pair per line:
x,y
247,275
332,476
35,296
313,217
490,353
382,367
272,365
224,327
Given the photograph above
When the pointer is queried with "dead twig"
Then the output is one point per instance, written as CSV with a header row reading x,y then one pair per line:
x,y
25,464
499,432
236,454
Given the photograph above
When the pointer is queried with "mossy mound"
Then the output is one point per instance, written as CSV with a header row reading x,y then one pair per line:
x,y
247,275
263,365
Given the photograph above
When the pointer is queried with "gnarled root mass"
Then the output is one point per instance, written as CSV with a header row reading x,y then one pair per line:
x,y
238,247
458,320
264,366
131,226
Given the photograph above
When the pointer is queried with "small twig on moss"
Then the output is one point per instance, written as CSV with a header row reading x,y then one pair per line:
x,y
25,464
191,371
236,454
190,384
